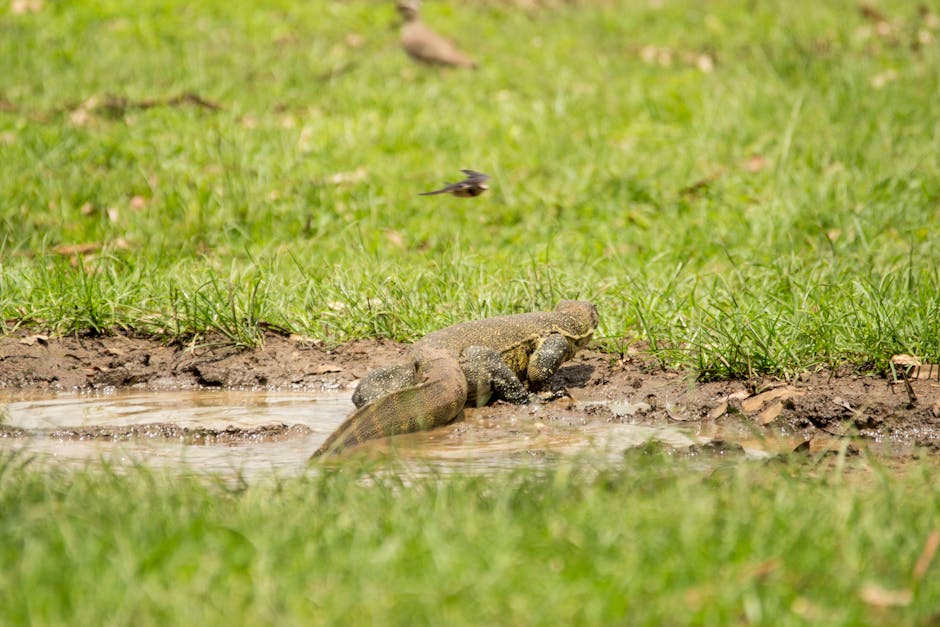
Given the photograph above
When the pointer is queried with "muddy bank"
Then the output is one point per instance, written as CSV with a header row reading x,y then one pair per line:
x,y
168,431
601,388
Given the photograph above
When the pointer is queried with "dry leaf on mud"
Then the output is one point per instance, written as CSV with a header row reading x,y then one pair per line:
x,y
740,395
770,414
303,339
718,410
757,401
803,447
29,340
905,360
878,596
915,369
926,371
841,402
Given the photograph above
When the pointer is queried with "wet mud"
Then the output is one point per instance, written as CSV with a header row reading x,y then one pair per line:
x,y
608,401
163,430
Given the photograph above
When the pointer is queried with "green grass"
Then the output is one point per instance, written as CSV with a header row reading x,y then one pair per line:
x,y
615,179
655,542
824,255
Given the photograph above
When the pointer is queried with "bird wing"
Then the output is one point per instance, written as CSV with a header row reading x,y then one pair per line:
x,y
475,177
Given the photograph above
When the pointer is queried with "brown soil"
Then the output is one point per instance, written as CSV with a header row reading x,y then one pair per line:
x,y
600,387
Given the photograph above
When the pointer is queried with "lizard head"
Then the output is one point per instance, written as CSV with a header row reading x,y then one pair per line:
x,y
583,319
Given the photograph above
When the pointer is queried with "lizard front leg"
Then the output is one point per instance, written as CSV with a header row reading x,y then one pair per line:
x,y
489,376
546,359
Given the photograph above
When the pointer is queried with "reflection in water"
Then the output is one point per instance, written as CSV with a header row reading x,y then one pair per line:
x,y
194,408
43,415
480,448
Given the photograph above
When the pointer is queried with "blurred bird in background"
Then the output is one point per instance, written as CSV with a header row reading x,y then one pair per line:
x,y
423,44
472,186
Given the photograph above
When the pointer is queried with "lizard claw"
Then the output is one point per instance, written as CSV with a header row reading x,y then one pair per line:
x,y
548,397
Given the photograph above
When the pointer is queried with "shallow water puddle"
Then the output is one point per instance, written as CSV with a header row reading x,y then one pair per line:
x,y
208,409
249,433
203,430
443,452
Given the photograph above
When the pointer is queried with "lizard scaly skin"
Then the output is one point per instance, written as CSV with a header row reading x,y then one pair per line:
x,y
473,362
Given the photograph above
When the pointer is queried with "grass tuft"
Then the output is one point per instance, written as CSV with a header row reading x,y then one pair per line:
x,y
747,192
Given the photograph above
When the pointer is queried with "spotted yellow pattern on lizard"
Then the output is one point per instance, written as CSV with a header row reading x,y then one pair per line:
x,y
468,363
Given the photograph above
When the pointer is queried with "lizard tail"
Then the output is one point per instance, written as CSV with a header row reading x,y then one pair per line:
x,y
436,400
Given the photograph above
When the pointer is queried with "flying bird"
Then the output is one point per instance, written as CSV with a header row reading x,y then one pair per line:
x,y
423,44
471,186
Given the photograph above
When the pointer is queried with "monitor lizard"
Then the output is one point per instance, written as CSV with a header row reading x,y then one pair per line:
x,y
470,363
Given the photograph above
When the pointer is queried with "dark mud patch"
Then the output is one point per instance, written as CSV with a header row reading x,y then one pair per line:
x,y
594,388
71,363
